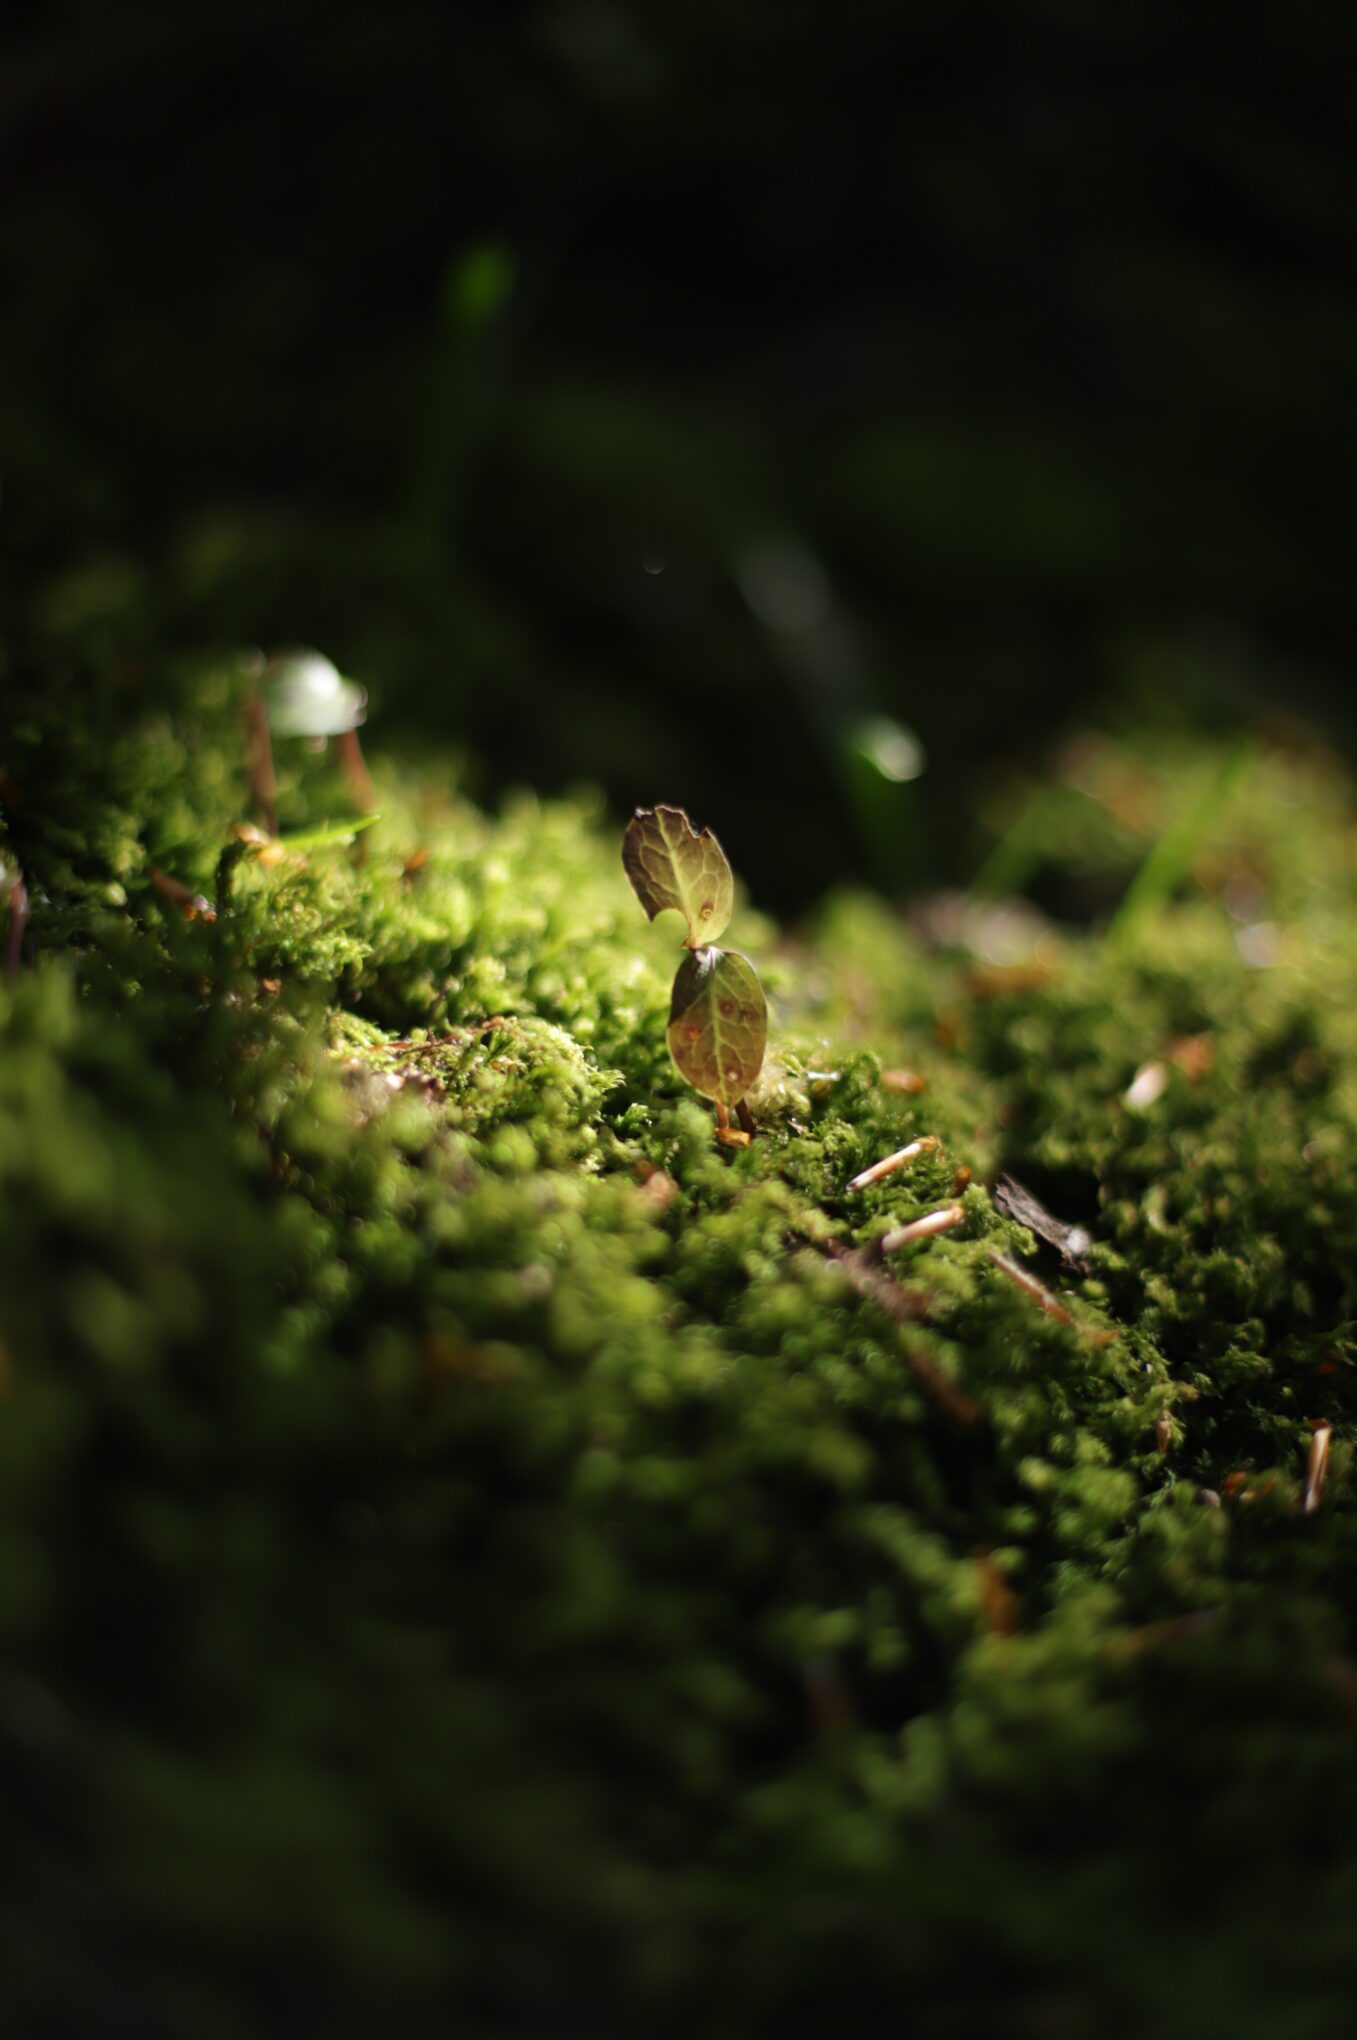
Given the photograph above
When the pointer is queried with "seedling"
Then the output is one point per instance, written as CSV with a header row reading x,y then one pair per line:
x,y
718,1016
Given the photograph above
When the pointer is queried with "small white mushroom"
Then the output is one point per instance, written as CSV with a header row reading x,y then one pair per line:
x,y
307,696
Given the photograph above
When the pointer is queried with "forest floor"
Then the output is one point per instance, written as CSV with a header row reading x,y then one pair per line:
x,y
477,1554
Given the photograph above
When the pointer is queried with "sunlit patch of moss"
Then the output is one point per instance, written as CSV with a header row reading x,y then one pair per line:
x,y
429,1465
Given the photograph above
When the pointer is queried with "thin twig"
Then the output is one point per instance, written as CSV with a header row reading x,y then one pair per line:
x,y
191,905
1029,1285
939,1221
458,1031
1130,1644
1316,1466
922,1146
1044,1300
355,770
864,1274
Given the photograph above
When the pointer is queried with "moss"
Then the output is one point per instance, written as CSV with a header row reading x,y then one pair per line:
x,y
475,1551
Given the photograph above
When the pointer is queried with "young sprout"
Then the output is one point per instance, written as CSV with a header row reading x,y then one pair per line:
x,y
718,1016
303,695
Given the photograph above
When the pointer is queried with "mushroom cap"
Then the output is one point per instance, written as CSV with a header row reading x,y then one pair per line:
x,y
307,696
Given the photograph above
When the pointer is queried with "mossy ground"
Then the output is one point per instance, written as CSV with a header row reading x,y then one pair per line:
x,y
473,1557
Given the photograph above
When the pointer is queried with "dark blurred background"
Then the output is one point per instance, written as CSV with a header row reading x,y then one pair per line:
x,y
806,413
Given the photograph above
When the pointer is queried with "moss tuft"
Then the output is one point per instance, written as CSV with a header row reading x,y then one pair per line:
x,y
472,1547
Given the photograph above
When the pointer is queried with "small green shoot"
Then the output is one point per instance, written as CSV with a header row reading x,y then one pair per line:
x,y
718,1016
326,834
1171,857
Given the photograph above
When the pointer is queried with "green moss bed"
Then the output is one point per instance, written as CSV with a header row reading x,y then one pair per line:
x,y
478,1557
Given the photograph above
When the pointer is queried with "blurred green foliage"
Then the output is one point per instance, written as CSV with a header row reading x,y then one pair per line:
x,y
488,348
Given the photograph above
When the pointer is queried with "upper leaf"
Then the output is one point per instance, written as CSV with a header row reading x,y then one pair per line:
x,y
670,865
718,1023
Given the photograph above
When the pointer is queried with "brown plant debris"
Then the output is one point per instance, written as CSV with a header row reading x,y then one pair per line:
x,y
1316,1467
1016,1201
924,1145
940,1221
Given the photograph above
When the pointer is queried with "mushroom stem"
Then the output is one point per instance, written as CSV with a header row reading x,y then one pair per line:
x,y
355,770
263,782
728,1135
18,924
